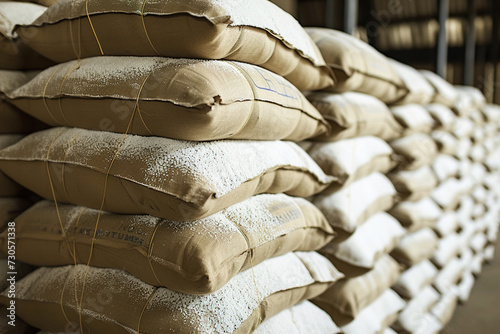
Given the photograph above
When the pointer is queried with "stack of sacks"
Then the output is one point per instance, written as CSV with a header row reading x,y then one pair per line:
x,y
416,210
16,59
181,226
357,154
492,178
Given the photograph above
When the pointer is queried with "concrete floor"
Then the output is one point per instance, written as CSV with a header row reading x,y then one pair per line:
x,y
481,313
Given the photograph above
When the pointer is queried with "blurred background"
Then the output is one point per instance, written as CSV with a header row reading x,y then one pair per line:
x,y
464,52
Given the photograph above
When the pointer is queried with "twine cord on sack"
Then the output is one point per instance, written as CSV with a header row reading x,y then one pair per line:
x,y
104,195
92,26
145,29
44,94
144,310
75,66
78,53
251,252
150,252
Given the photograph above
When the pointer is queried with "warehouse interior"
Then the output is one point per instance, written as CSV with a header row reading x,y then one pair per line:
x,y
249,166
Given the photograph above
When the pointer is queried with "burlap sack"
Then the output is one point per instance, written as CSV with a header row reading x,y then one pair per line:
x,y
464,288
351,206
205,99
449,275
13,120
116,302
446,94
478,153
166,178
447,224
352,159
416,150
7,186
491,112
214,249
429,324
378,315
445,308
448,194
414,118
10,208
416,215
371,241
443,117
411,318
414,185
304,318
445,141
20,326
346,298
353,115
413,280
207,29
463,128
419,89
416,247
445,167
474,93
14,53
448,248
358,66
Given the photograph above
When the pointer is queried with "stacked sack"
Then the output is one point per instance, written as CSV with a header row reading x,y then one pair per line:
x,y
356,152
154,221
18,64
427,207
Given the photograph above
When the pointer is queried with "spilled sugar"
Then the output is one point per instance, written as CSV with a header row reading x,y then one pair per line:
x,y
220,312
12,13
213,168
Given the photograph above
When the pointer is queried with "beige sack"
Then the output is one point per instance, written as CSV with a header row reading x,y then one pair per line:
x,y
447,224
358,66
445,166
378,316
416,247
416,215
14,53
186,99
416,150
443,117
166,178
13,120
352,159
419,89
304,318
414,185
214,249
346,298
445,141
10,208
412,281
351,206
445,308
411,318
7,186
414,118
446,94
256,32
116,302
354,115
371,241
448,248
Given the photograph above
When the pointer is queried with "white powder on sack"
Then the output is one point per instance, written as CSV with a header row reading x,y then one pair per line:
x,y
221,166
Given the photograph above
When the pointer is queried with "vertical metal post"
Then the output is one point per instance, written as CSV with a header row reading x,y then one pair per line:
x,y
494,46
350,16
470,44
442,43
329,11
